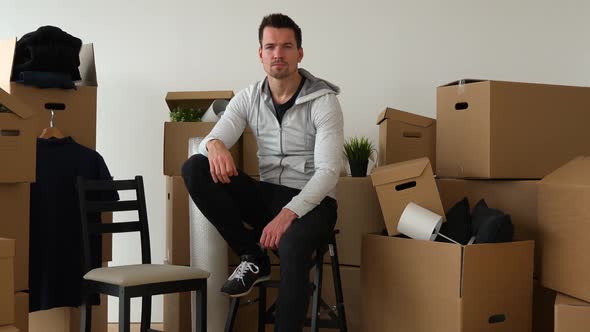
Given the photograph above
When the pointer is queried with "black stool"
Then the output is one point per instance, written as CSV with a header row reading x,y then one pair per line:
x,y
336,316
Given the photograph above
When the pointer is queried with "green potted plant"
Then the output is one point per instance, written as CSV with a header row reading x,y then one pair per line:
x,y
186,114
358,151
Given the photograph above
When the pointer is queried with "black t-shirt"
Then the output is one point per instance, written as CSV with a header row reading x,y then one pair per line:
x,y
280,109
56,251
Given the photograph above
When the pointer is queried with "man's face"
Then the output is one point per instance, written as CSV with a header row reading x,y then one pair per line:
x,y
279,53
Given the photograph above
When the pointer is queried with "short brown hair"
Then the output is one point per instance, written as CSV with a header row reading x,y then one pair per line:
x,y
279,21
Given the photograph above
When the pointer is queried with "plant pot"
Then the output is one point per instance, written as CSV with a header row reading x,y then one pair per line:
x,y
358,168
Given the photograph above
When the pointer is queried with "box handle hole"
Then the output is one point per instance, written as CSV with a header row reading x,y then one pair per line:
x,y
461,106
494,319
55,106
9,132
412,134
405,186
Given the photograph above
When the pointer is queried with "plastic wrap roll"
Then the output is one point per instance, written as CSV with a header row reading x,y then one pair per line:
x,y
209,252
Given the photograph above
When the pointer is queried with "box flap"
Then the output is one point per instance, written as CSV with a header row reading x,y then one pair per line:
x,y
87,66
7,247
15,105
574,173
464,81
197,99
405,117
481,263
562,299
7,48
399,171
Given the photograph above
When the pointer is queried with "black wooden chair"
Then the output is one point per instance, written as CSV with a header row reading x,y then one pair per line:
x,y
140,280
336,317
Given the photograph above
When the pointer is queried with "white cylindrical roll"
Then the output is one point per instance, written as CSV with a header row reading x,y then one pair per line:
x,y
419,223
215,111
208,252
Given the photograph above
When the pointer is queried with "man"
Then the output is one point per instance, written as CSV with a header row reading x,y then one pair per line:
x,y
298,125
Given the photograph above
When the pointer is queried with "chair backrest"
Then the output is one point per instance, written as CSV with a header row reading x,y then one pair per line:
x,y
92,197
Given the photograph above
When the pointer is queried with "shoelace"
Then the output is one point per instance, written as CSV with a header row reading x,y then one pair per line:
x,y
240,271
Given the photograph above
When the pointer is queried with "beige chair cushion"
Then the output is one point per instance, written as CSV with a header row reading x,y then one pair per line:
x,y
140,274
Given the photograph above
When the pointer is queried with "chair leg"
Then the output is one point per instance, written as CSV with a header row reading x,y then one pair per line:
x,y
86,314
317,292
200,318
234,304
146,313
261,309
124,312
338,286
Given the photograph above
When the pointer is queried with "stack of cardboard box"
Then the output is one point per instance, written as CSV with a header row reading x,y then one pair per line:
x,y
17,149
495,140
509,136
30,115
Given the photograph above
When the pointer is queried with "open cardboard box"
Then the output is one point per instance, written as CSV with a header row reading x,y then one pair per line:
x,y
177,134
509,130
425,286
404,182
78,119
405,136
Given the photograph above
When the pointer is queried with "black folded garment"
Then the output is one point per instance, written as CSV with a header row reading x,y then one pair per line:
x,y
47,49
458,223
491,225
46,80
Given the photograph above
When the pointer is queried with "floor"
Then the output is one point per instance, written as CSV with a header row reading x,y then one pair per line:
x,y
134,327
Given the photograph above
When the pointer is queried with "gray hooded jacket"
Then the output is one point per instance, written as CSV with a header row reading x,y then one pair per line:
x,y
304,151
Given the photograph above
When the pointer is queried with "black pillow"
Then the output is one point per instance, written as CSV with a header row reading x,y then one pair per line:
x,y
491,225
458,224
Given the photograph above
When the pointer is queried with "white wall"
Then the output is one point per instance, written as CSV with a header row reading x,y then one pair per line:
x,y
381,53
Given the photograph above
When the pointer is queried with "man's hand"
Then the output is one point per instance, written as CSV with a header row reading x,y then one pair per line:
x,y
221,163
272,233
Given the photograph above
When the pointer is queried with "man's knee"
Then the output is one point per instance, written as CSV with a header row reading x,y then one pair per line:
x,y
194,166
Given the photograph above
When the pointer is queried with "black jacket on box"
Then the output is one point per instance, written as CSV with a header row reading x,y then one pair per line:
x,y
56,250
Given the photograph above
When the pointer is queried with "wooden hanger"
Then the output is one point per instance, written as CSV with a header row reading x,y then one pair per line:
x,y
51,131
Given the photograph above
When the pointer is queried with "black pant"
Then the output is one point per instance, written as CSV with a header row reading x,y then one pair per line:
x,y
256,203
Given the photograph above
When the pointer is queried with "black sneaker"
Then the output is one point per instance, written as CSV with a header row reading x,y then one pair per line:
x,y
251,271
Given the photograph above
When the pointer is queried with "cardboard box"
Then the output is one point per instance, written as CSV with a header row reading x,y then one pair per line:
x,y
563,226
247,316
419,286
358,214
14,224
78,119
249,153
18,144
405,136
404,182
8,329
571,315
543,302
508,130
21,311
517,198
177,312
176,134
68,319
6,281
177,222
